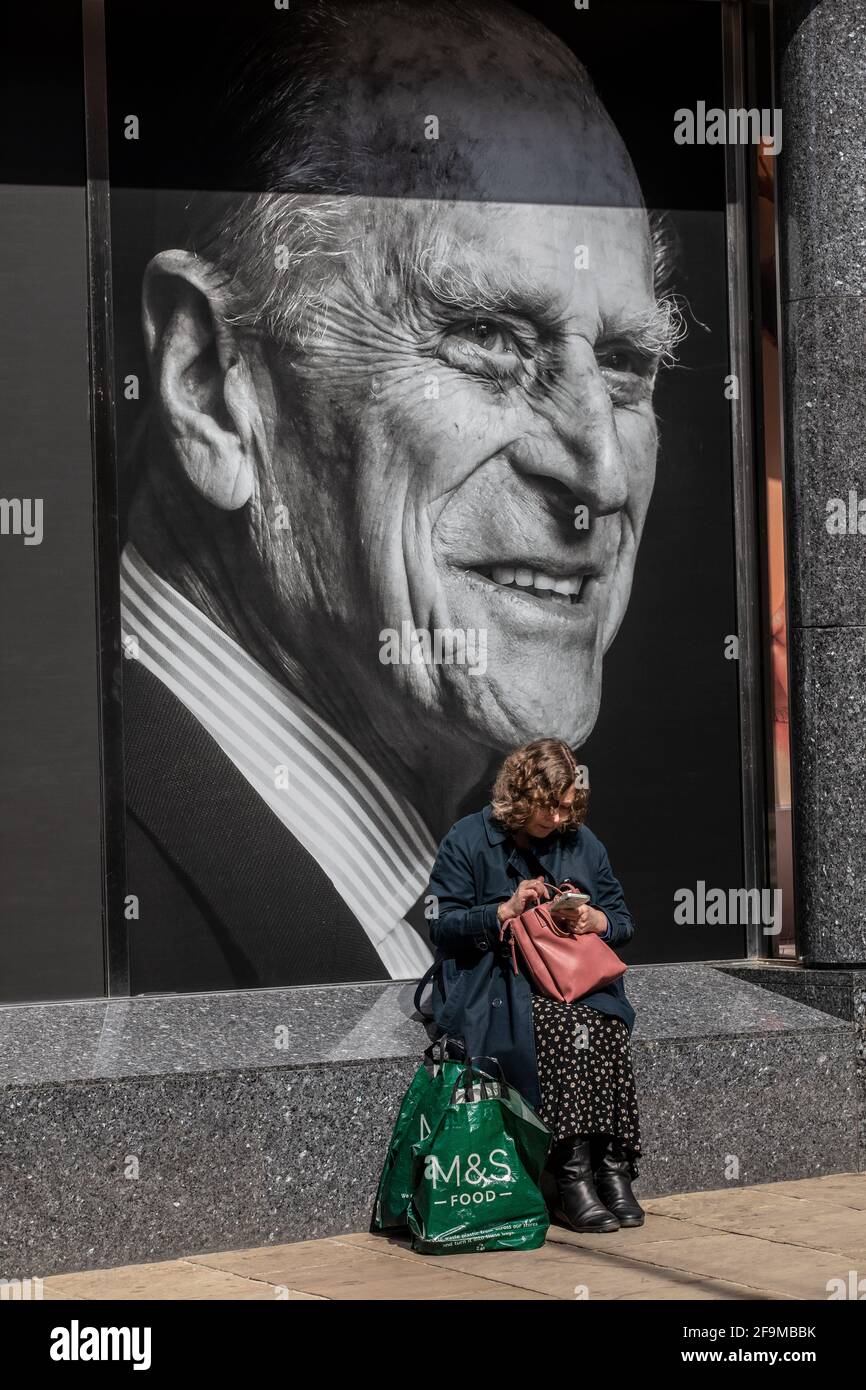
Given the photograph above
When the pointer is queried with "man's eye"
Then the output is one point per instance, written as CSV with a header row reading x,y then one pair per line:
x,y
486,334
630,373
483,347
624,359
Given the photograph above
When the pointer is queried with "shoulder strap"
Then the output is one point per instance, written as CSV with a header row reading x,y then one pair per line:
x,y
425,979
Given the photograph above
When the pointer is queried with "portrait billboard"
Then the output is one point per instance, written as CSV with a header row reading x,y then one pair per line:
x,y
423,394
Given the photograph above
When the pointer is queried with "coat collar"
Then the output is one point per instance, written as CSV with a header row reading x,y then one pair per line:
x,y
495,832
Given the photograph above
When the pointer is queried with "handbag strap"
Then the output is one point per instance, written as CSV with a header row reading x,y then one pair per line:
x,y
506,933
419,989
536,867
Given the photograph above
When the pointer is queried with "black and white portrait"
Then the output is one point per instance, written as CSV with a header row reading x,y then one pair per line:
x,y
386,492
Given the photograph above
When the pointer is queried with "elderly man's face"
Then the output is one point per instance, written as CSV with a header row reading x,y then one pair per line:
x,y
468,442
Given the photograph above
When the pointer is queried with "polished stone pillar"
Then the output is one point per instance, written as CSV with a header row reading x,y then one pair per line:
x,y
821,88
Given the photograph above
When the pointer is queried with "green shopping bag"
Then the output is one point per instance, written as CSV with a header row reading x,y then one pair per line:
x,y
420,1109
475,1178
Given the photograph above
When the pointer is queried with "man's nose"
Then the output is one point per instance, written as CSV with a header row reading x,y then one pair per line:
x,y
580,447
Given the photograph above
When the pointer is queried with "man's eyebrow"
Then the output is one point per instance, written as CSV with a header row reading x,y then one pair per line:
x,y
654,331
464,282
449,277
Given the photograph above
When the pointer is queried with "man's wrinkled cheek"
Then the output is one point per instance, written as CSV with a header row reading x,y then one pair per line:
x,y
641,453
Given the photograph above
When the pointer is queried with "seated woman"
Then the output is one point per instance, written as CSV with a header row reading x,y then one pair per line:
x,y
572,1062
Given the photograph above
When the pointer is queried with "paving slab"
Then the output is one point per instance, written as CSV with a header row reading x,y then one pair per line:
x,y
348,1270
761,1265
169,1279
846,1189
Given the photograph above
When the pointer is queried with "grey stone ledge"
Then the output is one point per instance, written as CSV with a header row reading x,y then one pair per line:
x,y
160,1035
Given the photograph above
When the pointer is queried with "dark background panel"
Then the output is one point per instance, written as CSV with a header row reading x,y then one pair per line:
x,y
664,757
647,59
41,93
50,839
168,61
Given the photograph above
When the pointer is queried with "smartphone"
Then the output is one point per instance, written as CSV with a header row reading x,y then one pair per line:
x,y
568,900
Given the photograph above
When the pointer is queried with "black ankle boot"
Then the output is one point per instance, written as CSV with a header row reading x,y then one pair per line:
x,y
578,1203
613,1185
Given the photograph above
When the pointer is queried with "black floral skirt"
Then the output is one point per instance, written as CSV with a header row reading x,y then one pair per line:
x,y
585,1075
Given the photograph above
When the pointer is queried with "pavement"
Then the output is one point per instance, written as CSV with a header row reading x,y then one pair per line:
x,y
803,1239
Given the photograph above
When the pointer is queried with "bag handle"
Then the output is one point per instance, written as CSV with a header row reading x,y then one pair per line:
x,y
442,1044
419,989
506,933
466,1075
430,1052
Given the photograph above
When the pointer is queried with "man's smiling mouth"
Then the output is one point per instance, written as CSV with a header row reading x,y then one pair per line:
x,y
533,583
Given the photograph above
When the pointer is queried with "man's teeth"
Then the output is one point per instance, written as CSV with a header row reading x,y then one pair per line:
x,y
537,582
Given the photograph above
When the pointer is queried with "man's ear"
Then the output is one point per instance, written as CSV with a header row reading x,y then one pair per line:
x,y
207,398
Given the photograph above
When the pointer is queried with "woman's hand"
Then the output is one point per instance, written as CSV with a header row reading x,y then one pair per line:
x,y
581,920
526,894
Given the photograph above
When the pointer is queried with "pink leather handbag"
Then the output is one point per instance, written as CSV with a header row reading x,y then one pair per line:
x,y
563,966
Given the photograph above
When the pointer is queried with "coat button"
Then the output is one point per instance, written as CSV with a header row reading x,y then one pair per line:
x,y
496,1002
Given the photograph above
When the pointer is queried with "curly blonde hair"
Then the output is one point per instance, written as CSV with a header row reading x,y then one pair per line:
x,y
538,775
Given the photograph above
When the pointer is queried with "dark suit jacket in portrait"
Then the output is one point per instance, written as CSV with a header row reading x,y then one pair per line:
x,y
262,847
228,898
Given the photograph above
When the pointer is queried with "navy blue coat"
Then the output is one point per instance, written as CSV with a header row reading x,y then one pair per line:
x,y
475,993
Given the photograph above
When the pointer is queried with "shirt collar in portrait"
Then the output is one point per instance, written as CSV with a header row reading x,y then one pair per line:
x,y
369,840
